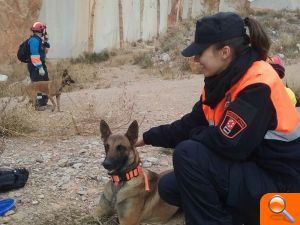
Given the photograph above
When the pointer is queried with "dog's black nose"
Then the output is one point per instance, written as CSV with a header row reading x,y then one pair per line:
x,y
107,164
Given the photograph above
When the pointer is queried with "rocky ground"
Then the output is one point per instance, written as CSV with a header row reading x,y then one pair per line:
x,y
64,152
66,176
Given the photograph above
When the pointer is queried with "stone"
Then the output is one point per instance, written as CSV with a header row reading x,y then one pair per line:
x,y
95,143
165,57
63,163
39,160
87,147
164,163
82,152
77,165
103,179
81,192
34,202
147,164
17,195
41,196
10,212
152,160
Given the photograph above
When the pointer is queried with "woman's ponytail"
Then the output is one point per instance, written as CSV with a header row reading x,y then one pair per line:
x,y
258,37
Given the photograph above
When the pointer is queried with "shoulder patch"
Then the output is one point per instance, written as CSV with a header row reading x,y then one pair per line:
x,y
232,125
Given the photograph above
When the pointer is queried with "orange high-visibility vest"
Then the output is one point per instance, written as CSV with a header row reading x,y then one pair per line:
x,y
288,118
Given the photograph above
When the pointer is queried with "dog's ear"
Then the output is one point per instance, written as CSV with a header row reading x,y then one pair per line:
x,y
104,130
133,132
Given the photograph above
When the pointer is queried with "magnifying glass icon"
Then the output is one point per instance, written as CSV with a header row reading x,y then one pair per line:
x,y
277,205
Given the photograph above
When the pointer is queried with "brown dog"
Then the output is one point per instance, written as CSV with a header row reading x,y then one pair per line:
x,y
128,194
50,88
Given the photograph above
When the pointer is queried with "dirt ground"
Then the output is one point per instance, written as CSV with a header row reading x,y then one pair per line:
x,y
66,176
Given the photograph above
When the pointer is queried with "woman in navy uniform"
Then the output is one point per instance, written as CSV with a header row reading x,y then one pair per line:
x,y
241,139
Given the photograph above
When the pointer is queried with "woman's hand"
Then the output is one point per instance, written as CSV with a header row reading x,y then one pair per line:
x,y
140,143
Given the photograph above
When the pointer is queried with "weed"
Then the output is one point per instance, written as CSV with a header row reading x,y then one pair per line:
x,y
91,58
14,120
143,60
166,151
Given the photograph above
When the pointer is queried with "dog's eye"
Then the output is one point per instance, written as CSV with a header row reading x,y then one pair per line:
x,y
120,148
106,147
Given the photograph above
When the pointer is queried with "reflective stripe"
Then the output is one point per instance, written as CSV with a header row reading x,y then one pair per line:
x,y
277,135
36,61
260,72
211,123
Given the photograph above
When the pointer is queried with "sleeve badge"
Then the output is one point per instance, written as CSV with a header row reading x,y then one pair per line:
x,y
232,125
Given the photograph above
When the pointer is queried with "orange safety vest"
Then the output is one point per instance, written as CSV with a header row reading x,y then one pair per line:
x,y
288,118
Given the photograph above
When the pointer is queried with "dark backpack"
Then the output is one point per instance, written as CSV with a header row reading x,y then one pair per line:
x,y
24,52
13,179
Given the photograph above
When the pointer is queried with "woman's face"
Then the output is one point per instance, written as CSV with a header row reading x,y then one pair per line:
x,y
214,61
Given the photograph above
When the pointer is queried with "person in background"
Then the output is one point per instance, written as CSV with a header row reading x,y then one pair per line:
x,y
38,46
278,65
241,140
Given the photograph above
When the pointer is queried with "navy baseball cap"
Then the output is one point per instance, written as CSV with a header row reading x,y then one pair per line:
x,y
212,29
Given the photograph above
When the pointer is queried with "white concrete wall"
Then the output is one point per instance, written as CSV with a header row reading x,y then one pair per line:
x,y
131,20
185,11
74,29
164,12
196,8
149,20
67,27
106,29
80,40
226,6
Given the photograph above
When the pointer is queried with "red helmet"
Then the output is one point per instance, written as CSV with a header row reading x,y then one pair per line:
x,y
38,27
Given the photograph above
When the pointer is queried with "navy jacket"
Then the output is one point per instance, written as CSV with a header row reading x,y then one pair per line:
x,y
255,106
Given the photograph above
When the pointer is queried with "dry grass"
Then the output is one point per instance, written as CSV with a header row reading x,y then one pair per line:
x,y
177,70
18,120
287,44
91,58
144,60
123,56
18,78
2,145
15,72
166,151
283,27
91,75
84,119
177,37
117,113
242,7
14,121
3,89
89,220
173,41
